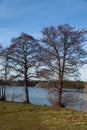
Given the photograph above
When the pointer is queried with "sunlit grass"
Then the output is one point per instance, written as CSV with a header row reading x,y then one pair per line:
x,y
21,116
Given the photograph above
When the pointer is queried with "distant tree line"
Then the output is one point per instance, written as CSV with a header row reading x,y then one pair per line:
x,y
58,55
46,84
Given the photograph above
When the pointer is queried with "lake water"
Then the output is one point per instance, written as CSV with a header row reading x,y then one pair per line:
x,y
37,95
40,96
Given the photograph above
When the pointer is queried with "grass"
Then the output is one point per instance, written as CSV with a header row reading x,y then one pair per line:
x,y
21,116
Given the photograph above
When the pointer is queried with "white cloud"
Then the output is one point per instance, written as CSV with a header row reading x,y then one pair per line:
x,y
83,71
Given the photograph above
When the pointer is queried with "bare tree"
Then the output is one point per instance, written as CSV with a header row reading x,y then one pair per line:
x,y
5,69
23,56
62,54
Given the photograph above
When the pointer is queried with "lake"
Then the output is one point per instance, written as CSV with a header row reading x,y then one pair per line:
x,y
37,95
73,98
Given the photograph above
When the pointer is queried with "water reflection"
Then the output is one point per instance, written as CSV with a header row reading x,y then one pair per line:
x,y
37,95
40,96
84,100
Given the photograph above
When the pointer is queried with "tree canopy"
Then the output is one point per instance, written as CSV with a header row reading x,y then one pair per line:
x,y
62,52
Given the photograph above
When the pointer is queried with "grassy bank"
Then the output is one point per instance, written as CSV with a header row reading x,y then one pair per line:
x,y
20,116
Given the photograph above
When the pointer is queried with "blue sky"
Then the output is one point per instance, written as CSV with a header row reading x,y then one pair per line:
x,y
31,16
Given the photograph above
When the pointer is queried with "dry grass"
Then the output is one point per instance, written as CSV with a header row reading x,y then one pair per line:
x,y
20,116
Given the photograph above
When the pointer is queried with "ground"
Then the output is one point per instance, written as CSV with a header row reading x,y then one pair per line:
x,y
21,116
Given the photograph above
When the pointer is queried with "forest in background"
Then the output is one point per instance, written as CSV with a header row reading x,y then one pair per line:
x,y
46,84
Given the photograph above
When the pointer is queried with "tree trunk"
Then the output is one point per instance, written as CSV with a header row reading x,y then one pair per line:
x,y
60,94
26,92
4,93
59,98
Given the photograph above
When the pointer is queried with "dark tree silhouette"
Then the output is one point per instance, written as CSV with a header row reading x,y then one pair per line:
x,y
23,56
62,54
5,68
